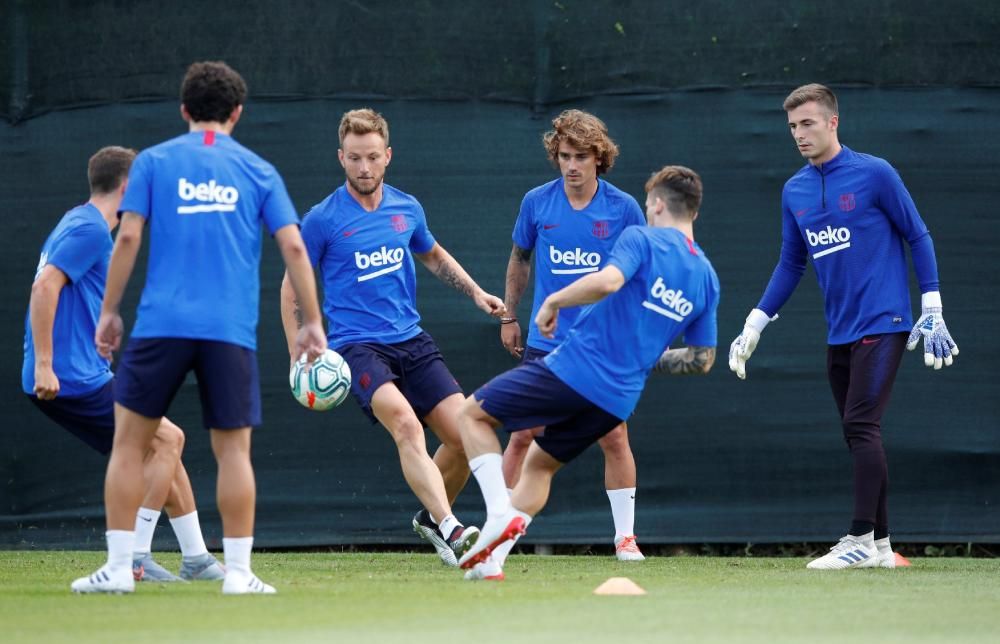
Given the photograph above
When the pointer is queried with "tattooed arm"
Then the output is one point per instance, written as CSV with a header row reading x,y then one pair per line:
x,y
443,265
291,315
686,361
518,272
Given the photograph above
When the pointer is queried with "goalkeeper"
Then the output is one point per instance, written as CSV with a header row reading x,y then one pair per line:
x,y
851,213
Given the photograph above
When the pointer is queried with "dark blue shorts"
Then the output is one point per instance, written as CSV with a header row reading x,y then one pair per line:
x,y
416,365
532,396
152,370
90,417
531,354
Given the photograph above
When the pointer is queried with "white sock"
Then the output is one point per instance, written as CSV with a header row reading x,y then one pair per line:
x,y
510,491
120,544
883,545
488,470
867,539
188,531
500,553
145,525
448,525
237,553
623,510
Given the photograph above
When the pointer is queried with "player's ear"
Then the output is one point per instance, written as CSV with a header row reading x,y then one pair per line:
x,y
235,116
185,114
834,122
388,155
340,157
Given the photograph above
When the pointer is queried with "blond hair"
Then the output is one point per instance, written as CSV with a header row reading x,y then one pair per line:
x,y
361,122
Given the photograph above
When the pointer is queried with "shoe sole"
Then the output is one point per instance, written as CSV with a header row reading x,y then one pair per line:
x,y
514,528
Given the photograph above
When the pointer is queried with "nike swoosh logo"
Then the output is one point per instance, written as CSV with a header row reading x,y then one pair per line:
x,y
550,226
146,519
799,213
870,340
348,233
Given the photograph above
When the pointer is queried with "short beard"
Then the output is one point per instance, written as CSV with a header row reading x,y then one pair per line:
x,y
364,191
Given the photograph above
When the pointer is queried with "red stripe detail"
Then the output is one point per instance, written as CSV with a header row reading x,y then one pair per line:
x,y
209,137
691,248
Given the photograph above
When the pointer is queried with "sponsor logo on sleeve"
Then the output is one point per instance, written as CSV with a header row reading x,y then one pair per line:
x,y
573,262
206,197
384,261
668,302
830,240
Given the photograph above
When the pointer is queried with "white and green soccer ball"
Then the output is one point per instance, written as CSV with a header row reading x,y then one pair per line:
x,y
323,386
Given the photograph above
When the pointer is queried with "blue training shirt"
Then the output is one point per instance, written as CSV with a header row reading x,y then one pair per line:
x,y
79,246
366,262
204,196
851,216
569,243
670,290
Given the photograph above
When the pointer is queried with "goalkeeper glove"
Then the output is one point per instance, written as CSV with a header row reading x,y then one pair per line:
x,y
742,347
938,345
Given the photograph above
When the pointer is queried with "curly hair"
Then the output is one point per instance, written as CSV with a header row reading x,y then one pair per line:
x,y
211,90
583,131
680,188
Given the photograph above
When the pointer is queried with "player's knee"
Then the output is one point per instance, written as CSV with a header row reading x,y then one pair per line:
x,y
862,434
169,438
406,431
615,441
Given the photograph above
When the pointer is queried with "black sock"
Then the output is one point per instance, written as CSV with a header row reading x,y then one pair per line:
x,y
881,532
859,528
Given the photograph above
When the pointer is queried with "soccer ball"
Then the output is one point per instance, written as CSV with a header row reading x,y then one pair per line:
x,y
325,385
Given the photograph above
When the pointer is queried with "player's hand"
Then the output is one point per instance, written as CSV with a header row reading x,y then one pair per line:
x,y
108,336
743,346
489,303
547,318
510,335
938,345
46,381
310,341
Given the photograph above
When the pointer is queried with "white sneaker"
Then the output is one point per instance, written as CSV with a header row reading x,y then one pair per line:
x,y
488,570
106,580
848,553
244,583
886,557
495,531
626,549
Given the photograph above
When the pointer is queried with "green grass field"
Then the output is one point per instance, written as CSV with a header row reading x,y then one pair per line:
x,y
374,598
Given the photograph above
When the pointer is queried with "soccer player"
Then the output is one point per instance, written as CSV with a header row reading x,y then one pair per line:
x,y
205,197
363,238
658,284
850,213
574,221
67,380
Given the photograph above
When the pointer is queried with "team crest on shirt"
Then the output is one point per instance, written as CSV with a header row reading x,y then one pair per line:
x,y
847,202
601,229
399,223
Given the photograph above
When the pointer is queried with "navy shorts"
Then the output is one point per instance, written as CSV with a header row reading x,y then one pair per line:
x,y
416,366
152,370
532,396
90,417
531,354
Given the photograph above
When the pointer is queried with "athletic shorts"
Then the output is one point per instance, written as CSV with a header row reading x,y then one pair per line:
x,y
415,365
90,417
531,354
530,395
152,370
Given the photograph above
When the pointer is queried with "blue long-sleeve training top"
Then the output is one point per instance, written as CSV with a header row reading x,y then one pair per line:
x,y
851,215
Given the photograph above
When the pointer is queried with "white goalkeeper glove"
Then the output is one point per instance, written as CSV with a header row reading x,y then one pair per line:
x,y
742,347
938,345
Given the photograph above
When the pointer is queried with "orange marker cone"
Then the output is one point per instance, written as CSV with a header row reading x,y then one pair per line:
x,y
619,586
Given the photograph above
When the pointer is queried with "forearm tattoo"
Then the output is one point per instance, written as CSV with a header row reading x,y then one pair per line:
x,y
518,271
297,312
687,361
448,273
